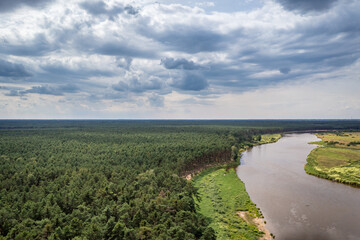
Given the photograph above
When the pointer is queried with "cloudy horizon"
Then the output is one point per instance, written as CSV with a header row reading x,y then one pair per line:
x,y
142,59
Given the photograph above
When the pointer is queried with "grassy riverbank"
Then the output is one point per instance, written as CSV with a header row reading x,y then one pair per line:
x,y
338,158
223,197
225,201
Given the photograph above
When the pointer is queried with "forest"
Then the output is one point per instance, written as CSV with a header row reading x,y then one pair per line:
x,y
109,179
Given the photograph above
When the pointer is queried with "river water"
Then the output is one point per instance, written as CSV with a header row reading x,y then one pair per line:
x,y
297,205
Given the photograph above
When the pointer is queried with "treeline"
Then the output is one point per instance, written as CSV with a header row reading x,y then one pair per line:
x,y
108,179
284,125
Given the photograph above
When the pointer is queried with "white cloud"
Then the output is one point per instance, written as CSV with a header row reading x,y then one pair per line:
x,y
205,4
246,58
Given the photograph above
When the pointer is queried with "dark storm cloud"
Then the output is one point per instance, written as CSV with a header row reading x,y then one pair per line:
x,y
305,6
100,8
180,63
9,69
10,5
190,81
45,89
138,85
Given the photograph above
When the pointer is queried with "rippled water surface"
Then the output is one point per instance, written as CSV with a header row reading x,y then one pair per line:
x,y
295,204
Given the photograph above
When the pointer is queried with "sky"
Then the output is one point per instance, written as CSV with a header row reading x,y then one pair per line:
x,y
180,59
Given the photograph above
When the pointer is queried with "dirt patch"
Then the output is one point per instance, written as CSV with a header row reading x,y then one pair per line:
x,y
259,222
190,174
188,177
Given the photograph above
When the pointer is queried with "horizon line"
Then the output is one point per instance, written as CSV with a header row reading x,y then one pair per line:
x,y
174,119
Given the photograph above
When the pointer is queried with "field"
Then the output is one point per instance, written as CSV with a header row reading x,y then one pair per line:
x,y
349,140
337,159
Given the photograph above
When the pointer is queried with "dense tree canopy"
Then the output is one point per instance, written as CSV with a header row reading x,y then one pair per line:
x,y
109,180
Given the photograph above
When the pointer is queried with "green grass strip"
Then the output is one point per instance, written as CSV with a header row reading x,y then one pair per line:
x,y
223,195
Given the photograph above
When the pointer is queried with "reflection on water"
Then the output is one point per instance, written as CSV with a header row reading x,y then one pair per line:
x,y
295,204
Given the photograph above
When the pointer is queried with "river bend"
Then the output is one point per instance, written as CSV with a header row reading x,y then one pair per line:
x,y
297,205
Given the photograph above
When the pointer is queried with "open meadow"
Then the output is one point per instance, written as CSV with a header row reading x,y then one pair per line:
x,y
337,158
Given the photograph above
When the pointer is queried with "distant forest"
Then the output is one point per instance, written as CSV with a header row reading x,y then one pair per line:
x,y
118,179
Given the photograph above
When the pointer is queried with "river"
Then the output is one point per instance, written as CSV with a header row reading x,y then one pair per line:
x,y
297,205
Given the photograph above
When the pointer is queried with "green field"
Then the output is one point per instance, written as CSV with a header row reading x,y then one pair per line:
x,y
337,159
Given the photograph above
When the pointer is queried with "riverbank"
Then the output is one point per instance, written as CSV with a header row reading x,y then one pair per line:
x,y
225,201
264,139
337,158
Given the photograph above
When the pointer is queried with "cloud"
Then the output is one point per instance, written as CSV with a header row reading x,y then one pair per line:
x,y
128,46
10,5
14,70
186,38
100,8
123,49
37,46
156,100
305,6
205,4
285,70
192,39
136,84
131,10
45,89
124,62
195,101
112,56
190,81
181,63
13,93
75,71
